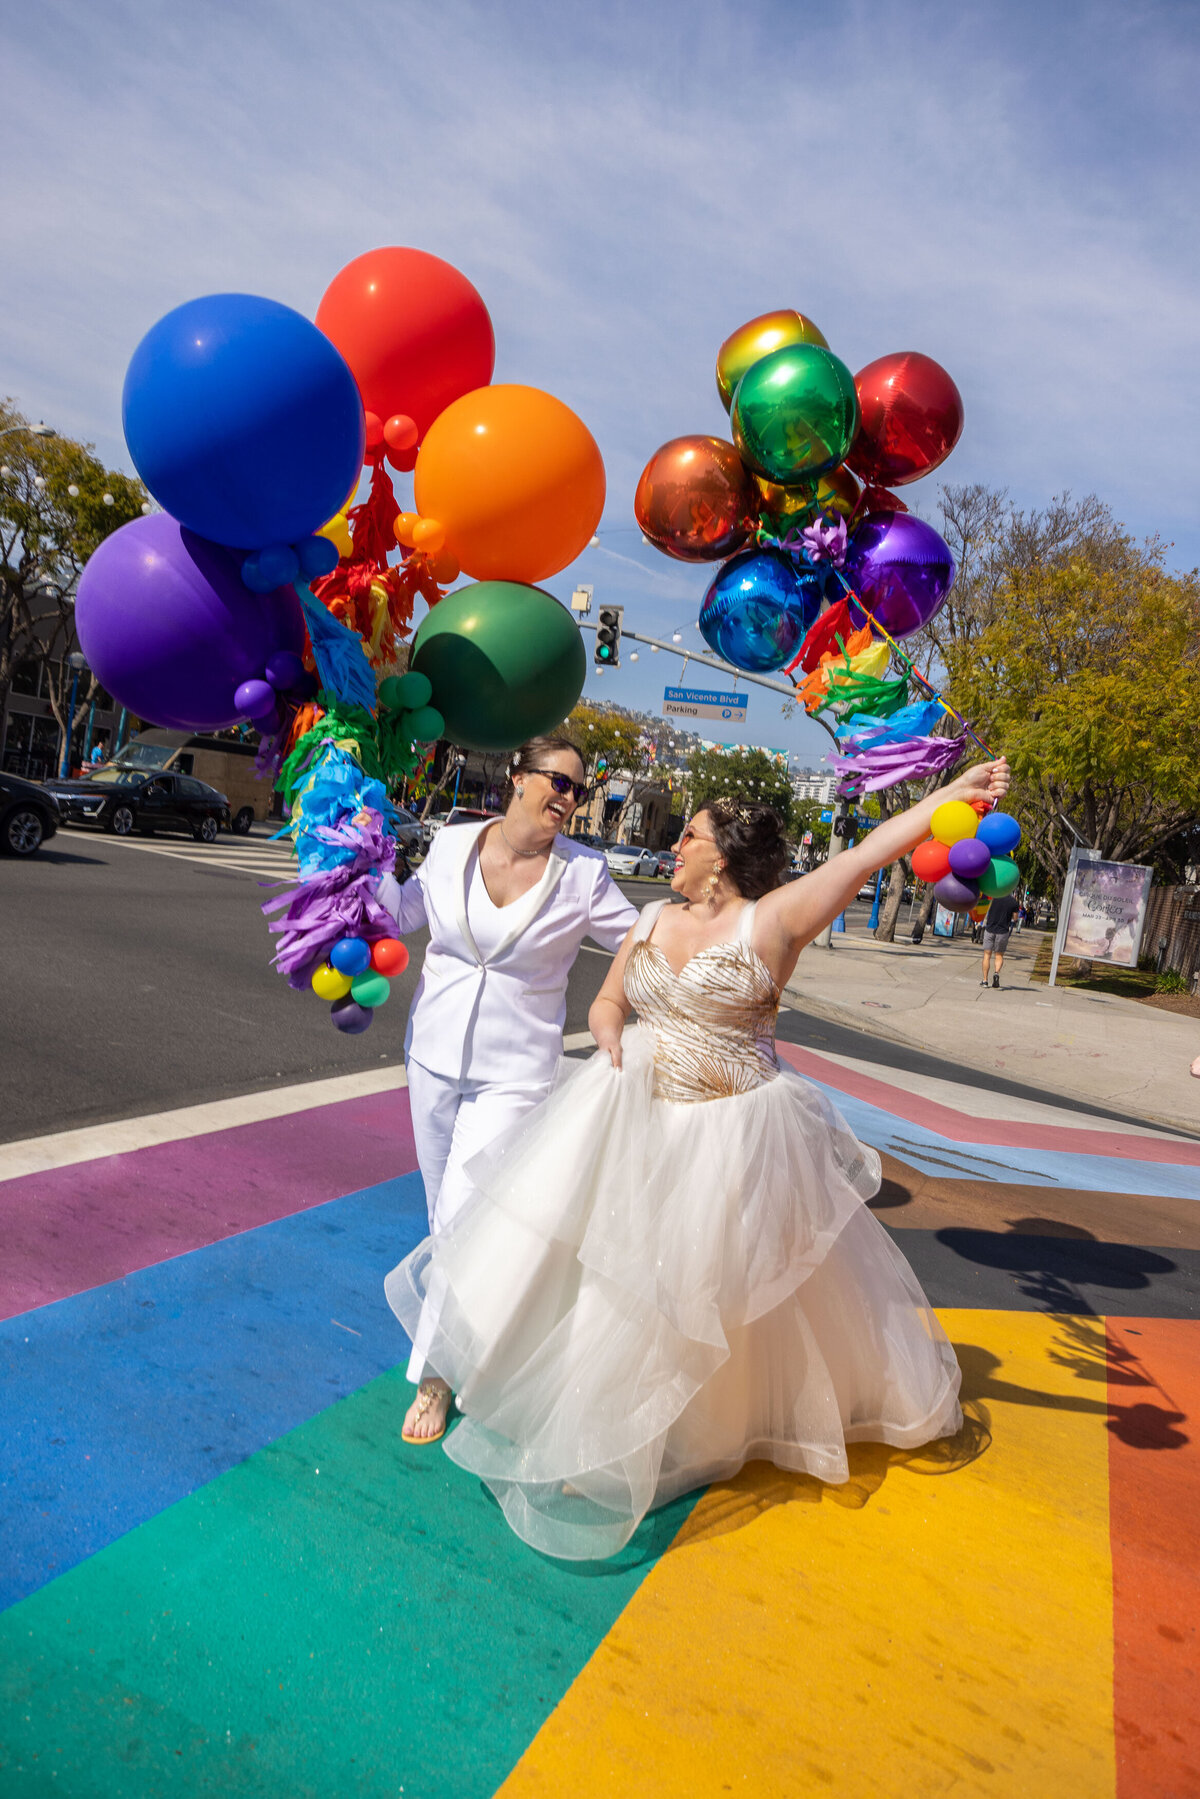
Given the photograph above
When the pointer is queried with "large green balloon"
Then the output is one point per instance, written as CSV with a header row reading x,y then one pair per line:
x,y
795,413
999,877
506,662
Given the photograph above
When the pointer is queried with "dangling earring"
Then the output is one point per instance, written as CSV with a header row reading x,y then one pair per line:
x,y
520,793
710,886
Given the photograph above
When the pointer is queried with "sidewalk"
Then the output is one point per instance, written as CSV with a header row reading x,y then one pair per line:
x,y
1087,1046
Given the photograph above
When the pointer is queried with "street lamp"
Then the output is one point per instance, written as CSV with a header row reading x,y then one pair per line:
x,y
76,661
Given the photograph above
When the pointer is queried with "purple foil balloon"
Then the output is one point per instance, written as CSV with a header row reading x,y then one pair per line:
x,y
955,894
170,629
968,858
900,568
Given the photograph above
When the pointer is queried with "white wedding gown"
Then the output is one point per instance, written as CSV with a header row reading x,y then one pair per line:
x,y
671,1271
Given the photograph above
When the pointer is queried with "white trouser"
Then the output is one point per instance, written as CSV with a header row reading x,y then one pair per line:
x,y
452,1121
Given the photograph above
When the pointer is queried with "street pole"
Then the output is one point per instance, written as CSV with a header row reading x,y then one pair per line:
x,y
878,894
77,662
837,844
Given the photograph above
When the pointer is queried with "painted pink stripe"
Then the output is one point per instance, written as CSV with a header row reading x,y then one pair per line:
x,y
962,1127
73,1228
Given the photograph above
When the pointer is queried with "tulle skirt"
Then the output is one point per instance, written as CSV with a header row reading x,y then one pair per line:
x,y
647,1295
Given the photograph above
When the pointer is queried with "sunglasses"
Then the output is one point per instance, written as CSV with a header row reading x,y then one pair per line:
x,y
561,783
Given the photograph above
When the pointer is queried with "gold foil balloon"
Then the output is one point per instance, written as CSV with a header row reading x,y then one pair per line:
x,y
751,342
696,499
784,509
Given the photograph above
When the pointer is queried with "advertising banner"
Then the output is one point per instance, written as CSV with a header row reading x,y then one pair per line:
x,y
1106,911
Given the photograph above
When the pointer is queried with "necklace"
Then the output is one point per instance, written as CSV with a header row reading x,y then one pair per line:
x,y
512,846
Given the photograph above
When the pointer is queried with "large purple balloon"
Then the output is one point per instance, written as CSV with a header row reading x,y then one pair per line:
x,y
901,569
956,894
170,629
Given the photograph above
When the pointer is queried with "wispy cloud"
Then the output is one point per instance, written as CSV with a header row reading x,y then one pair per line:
x,y
1011,189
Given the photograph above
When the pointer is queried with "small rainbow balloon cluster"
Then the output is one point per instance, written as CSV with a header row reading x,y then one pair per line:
x,y
968,858
357,979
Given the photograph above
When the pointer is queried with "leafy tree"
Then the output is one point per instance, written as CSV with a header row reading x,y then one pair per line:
x,y
57,504
741,774
1074,650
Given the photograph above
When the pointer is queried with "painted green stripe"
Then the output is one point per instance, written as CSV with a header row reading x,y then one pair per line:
x,y
339,1615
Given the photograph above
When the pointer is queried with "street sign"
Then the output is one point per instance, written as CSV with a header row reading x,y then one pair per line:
x,y
699,702
827,818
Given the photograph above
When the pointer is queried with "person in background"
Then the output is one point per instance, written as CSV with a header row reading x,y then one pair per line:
x,y
996,928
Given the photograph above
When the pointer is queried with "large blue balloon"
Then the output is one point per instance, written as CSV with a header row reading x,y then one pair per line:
x,y
758,609
243,420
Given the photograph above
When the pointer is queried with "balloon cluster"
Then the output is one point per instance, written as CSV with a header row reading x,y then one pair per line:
x,y
968,856
267,593
356,979
823,565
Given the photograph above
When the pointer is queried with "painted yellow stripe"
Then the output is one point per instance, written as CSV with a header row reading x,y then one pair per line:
x,y
941,1625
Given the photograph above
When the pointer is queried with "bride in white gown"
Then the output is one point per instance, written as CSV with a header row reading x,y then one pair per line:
x,y
671,1269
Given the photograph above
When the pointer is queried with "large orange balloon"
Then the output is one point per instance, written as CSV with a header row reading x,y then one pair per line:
x,y
515,479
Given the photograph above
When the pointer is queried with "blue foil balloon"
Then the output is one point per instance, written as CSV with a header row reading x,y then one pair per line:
x,y
758,609
243,420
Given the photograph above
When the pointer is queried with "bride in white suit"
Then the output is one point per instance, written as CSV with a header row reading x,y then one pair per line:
x,y
507,904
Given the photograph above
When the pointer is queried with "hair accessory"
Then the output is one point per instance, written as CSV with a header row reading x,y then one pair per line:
x,y
727,809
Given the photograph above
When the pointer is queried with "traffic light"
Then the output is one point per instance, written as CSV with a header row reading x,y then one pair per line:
x,y
607,653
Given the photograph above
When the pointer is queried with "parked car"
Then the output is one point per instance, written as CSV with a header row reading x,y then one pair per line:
x,y
124,800
629,860
28,815
457,815
667,862
407,830
224,763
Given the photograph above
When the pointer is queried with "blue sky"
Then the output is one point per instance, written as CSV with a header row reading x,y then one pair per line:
x,y
1011,188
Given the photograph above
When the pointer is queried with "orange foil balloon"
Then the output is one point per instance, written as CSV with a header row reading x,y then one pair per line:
x,y
751,342
696,499
515,478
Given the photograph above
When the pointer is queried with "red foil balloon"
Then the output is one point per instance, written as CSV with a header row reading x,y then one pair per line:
x,y
696,499
912,417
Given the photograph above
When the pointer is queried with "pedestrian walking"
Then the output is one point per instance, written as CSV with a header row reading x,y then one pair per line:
x,y
997,927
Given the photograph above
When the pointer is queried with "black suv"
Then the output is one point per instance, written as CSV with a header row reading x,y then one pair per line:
x,y
124,800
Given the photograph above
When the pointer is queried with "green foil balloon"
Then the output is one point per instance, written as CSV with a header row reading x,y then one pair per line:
x,y
505,661
999,877
795,413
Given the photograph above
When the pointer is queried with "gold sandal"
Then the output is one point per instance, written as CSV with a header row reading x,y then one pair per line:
x,y
427,1392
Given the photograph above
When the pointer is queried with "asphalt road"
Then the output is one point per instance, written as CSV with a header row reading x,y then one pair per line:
x,y
137,978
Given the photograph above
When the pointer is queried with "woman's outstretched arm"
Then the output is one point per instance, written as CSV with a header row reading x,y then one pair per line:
x,y
791,916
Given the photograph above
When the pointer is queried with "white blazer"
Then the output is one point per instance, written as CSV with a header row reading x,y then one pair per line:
x,y
500,1018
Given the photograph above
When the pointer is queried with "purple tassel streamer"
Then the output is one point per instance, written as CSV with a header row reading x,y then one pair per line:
x,y
889,763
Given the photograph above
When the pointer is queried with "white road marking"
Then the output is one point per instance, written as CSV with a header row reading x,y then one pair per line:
x,y
62,1149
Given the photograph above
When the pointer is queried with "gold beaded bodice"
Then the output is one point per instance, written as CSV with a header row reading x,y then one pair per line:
x,y
713,1022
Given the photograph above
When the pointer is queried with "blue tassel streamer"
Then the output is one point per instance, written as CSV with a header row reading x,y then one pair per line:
x,y
339,653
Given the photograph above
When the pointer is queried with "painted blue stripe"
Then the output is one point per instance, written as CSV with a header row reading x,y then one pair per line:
x,y
120,1401
933,1154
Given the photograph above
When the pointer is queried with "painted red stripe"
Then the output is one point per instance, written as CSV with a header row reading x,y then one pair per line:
x,y
72,1228
962,1127
1154,1511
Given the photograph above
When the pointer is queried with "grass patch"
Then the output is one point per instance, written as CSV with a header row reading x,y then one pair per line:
x,y
1100,977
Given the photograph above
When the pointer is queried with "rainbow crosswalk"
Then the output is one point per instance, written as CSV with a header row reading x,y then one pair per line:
x,y
223,1572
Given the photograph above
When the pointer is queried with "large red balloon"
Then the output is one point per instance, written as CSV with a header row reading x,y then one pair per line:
x,y
414,331
912,417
